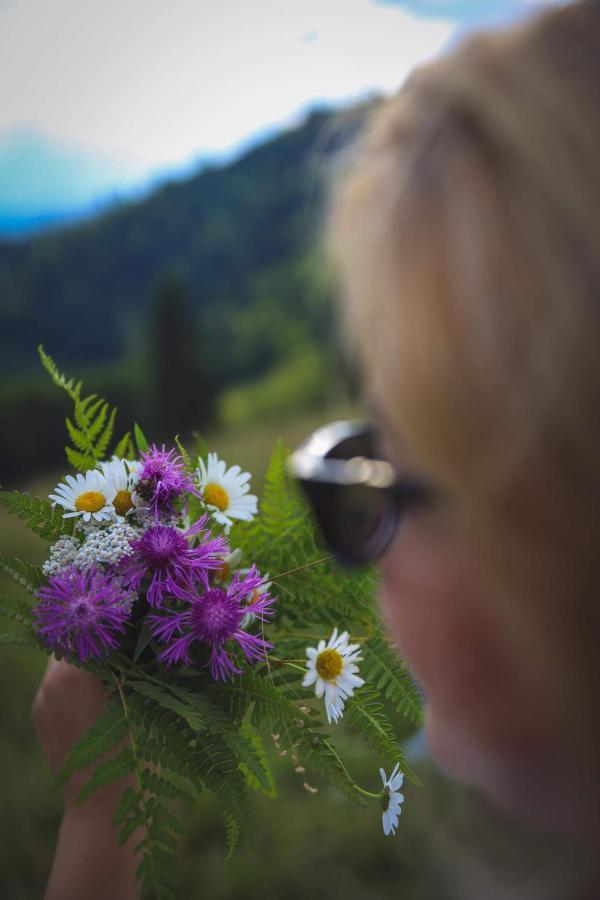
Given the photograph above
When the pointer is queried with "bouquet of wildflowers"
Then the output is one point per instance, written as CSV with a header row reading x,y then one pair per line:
x,y
221,628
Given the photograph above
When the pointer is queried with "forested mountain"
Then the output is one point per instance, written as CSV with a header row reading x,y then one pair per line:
x,y
235,236
206,300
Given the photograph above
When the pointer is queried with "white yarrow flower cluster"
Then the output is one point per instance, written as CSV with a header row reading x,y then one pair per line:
x,y
106,545
332,668
100,545
225,491
62,554
391,799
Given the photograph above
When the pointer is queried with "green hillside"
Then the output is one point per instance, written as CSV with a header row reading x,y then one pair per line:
x,y
207,300
232,235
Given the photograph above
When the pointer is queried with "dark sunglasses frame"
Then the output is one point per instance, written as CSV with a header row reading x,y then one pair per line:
x,y
344,485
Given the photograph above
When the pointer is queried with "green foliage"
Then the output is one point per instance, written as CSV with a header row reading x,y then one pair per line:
x,y
22,572
109,729
386,671
17,611
39,515
299,382
92,430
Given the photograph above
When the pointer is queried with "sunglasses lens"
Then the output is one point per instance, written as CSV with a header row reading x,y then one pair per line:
x,y
357,522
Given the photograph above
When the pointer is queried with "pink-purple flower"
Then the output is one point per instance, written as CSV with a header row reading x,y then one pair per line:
x,y
83,613
215,618
161,479
173,565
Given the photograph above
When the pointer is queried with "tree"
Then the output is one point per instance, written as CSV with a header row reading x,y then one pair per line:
x,y
181,389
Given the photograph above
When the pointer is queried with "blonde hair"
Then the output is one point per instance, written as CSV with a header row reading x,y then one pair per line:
x,y
466,238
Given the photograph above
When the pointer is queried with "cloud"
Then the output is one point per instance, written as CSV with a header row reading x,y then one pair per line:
x,y
156,82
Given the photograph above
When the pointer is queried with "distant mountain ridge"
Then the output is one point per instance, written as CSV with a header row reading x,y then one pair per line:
x,y
85,291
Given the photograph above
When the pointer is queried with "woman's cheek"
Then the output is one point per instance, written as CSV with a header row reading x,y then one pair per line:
x,y
438,611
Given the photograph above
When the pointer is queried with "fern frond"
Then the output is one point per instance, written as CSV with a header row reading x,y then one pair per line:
x,y
196,709
17,611
161,787
124,449
109,729
140,439
232,833
72,387
22,639
367,716
110,770
39,515
383,668
317,750
255,762
93,421
23,573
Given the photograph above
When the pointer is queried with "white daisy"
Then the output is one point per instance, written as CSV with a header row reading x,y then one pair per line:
x,y
85,495
225,491
120,480
391,799
332,669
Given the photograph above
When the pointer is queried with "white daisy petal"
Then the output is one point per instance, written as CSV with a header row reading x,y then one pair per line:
x,y
86,496
225,491
335,670
392,799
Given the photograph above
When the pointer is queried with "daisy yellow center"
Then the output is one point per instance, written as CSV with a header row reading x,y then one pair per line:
x,y
90,501
329,664
122,502
215,495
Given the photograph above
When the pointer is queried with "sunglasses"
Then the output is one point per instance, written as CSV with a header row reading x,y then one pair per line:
x,y
357,499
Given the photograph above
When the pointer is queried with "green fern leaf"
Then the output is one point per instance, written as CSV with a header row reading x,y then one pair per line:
x,y
128,801
77,438
96,422
70,386
255,762
161,787
23,573
21,639
366,715
196,709
104,439
383,668
109,729
39,516
17,611
84,410
80,461
123,447
107,772
140,439
232,833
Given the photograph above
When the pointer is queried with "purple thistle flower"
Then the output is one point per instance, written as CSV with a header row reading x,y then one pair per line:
x,y
215,618
161,479
84,613
174,566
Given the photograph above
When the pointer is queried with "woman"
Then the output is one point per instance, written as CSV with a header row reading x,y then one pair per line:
x,y
466,239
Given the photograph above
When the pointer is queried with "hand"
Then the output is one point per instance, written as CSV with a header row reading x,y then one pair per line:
x,y
88,863
68,701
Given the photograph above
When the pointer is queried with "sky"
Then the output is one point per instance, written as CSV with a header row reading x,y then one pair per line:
x,y
99,98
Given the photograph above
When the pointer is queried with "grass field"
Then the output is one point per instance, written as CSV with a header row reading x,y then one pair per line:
x,y
301,845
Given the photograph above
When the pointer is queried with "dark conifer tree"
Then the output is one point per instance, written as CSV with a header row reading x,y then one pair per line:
x,y
181,388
